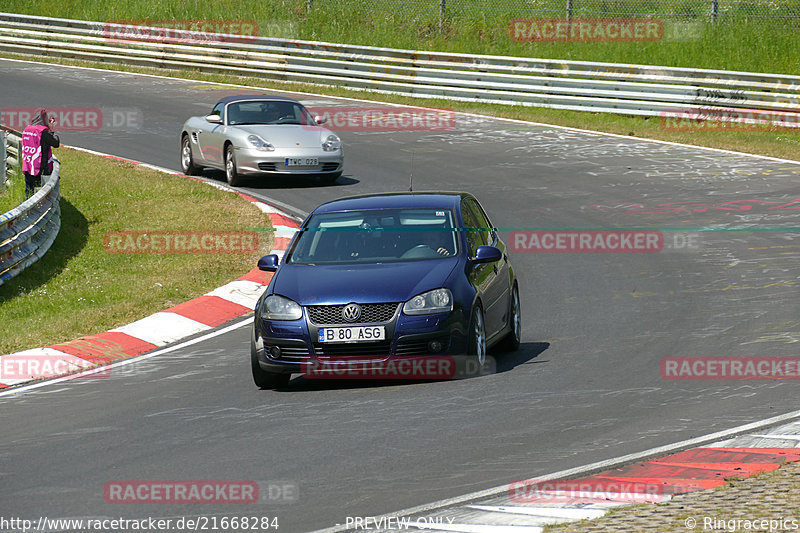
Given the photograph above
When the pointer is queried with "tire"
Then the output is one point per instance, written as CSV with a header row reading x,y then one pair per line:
x,y
511,342
187,161
262,378
231,173
329,179
477,335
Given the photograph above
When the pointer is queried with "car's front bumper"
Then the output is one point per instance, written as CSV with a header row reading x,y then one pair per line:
x,y
252,161
292,346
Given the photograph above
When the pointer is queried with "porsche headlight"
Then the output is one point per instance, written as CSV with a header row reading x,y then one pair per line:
x,y
260,144
276,307
435,301
332,143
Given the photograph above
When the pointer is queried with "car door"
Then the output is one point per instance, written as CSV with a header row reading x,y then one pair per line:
x,y
496,291
481,275
211,139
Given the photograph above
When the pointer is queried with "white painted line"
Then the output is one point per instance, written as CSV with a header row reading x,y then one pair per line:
x,y
598,466
125,362
242,292
163,328
477,528
350,99
566,513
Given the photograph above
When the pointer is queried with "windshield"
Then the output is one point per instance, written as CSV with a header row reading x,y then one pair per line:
x,y
268,112
376,236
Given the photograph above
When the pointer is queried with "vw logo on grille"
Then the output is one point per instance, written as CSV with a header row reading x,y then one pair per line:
x,y
351,312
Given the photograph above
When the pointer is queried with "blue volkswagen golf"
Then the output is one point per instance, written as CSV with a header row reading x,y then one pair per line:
x,y
384,277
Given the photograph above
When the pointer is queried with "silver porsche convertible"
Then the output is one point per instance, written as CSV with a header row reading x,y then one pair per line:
x,y
260,134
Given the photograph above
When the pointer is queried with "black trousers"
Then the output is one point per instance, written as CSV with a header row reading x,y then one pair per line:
x,y
31,181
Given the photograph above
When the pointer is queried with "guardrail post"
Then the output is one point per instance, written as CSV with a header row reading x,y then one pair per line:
x,y
714,10
442,9
3,148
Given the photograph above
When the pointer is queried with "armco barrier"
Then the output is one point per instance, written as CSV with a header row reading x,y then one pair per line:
x,y
9,152
28,231
574,85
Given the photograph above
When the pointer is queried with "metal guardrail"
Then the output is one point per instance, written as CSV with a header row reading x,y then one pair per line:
x,y
9,152
572,85
28,230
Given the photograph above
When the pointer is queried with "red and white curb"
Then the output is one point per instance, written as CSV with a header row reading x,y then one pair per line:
x,y
528,506
203,313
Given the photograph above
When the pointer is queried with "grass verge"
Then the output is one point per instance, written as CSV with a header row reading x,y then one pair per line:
x,y
782,143
79,288
13,195
746,36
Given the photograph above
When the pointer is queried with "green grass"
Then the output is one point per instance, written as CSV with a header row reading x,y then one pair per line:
x,y
78,288
749,36
14,195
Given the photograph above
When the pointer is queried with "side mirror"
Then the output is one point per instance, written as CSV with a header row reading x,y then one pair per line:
x,y
268,263
486,254
320,120
214,119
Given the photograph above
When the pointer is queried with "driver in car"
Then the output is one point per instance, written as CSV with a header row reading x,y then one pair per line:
x,y
436,239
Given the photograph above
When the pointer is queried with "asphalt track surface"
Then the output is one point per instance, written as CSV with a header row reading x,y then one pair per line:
x,y
585,385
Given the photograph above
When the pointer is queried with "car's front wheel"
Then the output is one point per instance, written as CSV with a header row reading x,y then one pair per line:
x,y
262,378
231,172
187,160
477,335
511,342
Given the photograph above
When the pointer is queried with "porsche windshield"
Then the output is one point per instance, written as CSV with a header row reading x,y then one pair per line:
x,y
376,236
268,112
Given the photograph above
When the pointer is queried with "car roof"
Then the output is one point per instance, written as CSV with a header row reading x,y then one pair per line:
x,y
396,200
243,97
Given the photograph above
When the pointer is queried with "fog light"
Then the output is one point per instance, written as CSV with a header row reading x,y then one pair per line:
x,y
434,346
275,352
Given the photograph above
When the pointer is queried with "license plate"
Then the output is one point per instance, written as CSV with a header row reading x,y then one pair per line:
x,y
352,334
302,161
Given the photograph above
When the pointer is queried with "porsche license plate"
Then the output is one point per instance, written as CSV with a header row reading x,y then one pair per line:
x,y
352,334
302,161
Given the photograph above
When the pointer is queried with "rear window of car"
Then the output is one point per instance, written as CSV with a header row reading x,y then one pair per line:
x,y
376,236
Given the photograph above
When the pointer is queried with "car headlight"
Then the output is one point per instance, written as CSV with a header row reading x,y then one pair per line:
x,y
435,301
276,307
332,143
260,144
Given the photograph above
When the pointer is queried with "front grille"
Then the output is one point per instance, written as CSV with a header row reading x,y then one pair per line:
x,y
267,167
329,167
370,313
412,348
290,350
418,347
355,349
